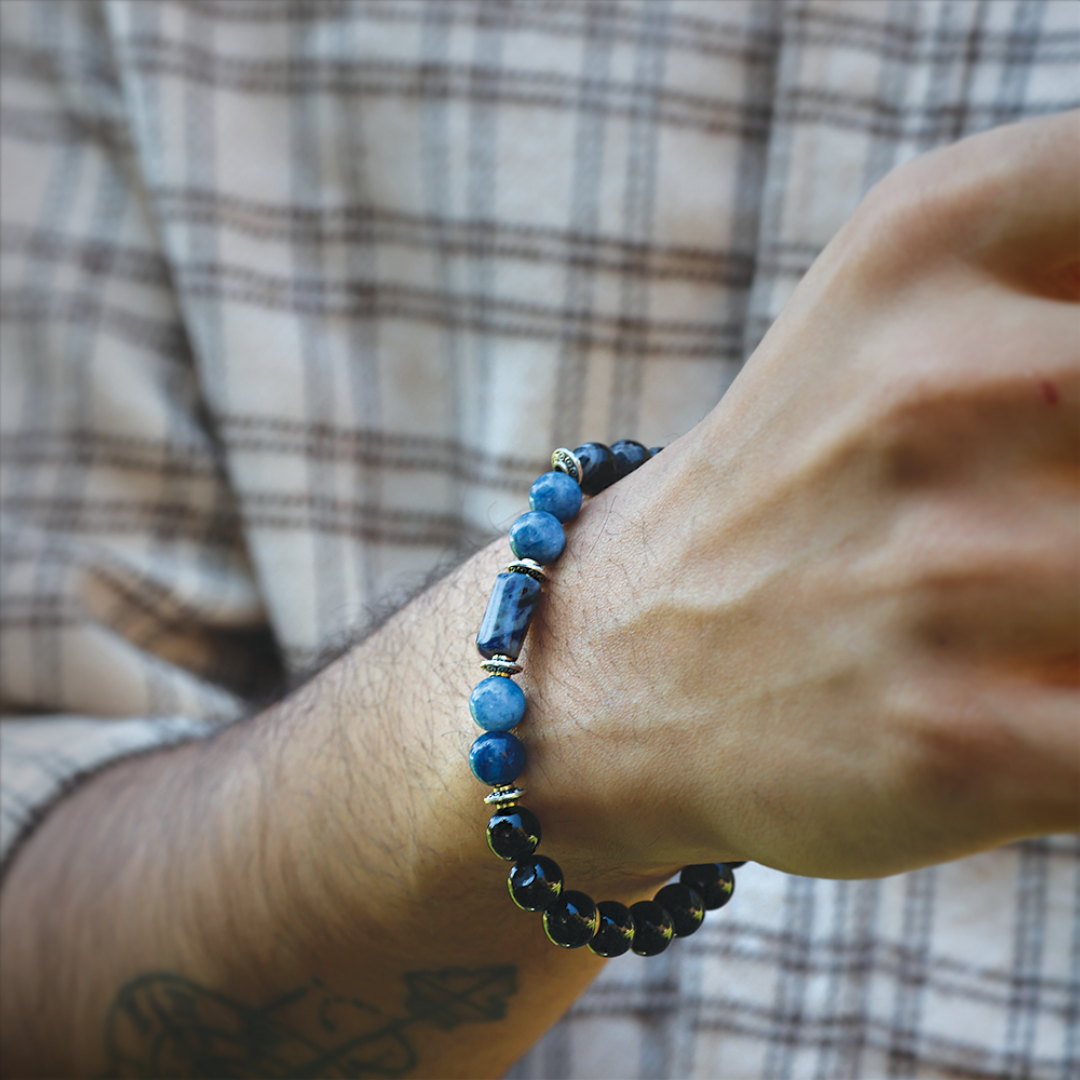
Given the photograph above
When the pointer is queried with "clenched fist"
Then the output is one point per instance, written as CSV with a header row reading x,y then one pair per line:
x,y
836,628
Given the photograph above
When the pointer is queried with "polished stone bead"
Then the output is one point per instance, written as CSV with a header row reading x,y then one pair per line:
x,y
534,883
735,865
497,758
571,920
653,929
509,611
539,536
513,834
598,467
497,704
654,450
628,456
615,933
684,905
713,882
557,494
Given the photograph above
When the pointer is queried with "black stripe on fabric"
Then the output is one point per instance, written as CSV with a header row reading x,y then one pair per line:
x,y
479,313
638,211
94,450
45,311
1022,1017
589,252
707,37
479,86
90,254
814,25
916,933
288,512
586,253
576,247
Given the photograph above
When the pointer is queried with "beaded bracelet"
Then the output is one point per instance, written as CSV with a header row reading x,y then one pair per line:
x,y
497,758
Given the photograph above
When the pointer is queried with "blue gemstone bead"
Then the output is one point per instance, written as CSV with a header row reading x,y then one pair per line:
x,y
629,455
509,612
537,535
556,494
497,758
599,469
497,704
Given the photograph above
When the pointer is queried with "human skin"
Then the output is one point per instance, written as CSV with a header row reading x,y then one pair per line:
x,y
834,629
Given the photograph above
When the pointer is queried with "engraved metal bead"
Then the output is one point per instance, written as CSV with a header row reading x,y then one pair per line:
x,y
528,566
501,665
504,795
566,461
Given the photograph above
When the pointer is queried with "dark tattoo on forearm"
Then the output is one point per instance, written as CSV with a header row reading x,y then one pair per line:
x,y
163,1025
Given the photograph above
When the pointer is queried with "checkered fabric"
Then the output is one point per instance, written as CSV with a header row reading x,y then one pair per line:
x,y
296,298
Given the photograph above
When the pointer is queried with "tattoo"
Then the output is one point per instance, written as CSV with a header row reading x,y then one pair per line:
x,y
165,1025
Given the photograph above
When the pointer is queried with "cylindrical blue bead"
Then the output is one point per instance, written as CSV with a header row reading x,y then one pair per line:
x,y
537,535
557,494
497,704
509,612
497,758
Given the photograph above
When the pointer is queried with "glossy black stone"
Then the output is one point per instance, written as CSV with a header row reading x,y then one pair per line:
x,y
654,450
571,920
684,905
598,467
628,456
535,882
653,928
616,929
509,612
736,865
514,833
713,882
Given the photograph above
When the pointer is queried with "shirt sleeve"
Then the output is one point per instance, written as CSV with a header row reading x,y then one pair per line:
x,y
130,616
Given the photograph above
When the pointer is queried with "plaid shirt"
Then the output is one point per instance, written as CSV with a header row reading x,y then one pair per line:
x,y
298,297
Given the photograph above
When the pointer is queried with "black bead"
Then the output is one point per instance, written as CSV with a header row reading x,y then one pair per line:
x,y
598,467
628,456
735,865
514,833
534,883
714,882
571,920
653,928
616,932
684,905
654,450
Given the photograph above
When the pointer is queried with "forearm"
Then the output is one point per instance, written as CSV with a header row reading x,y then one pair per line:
x,y
330,849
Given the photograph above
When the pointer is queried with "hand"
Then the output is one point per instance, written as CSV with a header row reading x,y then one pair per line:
x,y
835,629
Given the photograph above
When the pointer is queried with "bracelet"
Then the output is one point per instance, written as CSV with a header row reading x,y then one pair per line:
x,y
497,758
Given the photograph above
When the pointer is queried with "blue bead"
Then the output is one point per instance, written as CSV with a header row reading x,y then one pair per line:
x,y
556,494
497,758
497,704
629,455
537,535
509,612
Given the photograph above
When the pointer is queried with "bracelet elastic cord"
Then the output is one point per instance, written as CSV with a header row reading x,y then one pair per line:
x,y
497,758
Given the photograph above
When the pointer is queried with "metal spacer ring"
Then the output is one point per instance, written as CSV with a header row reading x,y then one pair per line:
x,y
528,566
504,796
566,461
501,665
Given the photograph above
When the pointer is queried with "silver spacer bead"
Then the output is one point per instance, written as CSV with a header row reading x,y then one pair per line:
x,y
566,461
501,665
504,796
528,566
